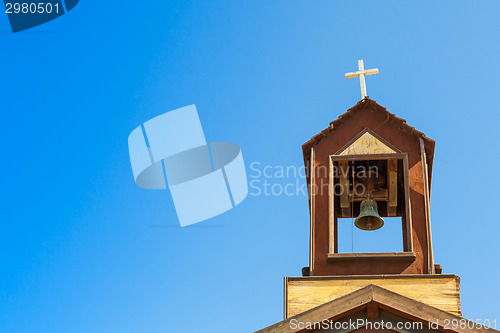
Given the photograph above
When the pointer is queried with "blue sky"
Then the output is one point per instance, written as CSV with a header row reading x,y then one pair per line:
x,y
83,249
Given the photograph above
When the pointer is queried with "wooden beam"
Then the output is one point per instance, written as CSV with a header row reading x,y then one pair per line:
x,y
345,305
345,205
336,224
392,172
357,73
417,311
367,157
285,297
430,254
380,195
331,210
372,310
383,256
409,228
311,209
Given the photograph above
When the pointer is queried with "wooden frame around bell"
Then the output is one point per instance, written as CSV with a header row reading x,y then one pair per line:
x,y
332,219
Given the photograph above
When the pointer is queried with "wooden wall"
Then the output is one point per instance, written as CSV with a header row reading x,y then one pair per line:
x,y
439,291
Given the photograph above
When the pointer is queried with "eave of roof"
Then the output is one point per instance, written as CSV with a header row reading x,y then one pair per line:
x,y
366,102
390,301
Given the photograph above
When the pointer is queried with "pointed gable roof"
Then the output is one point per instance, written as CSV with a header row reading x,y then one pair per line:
x,y
376,297
397,123
367,102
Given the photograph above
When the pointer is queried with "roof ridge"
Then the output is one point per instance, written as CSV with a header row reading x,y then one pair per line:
x,y
350,112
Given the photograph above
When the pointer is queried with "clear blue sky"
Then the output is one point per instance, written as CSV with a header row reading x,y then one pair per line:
x,y
80,246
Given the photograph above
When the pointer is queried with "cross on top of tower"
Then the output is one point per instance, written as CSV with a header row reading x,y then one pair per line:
x,y
361,73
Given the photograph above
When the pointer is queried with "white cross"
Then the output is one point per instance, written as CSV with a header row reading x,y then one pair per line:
x,y
361,73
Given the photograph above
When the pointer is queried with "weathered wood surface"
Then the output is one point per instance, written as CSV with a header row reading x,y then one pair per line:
x,y
392,170
312,210
367,144
390,304
332,244
361,74
379,256
345,204
439,291
398,136
427,199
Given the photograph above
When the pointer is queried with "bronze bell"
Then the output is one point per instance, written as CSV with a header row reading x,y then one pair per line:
x,y
368,218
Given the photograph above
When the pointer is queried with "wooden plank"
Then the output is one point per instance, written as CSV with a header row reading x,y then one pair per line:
x,y
380,195
430,259
392,171
439,291
367,144
372,133
331,210
345,205
415,311
362,82
350,75
311,210
336,223
348,305
365,157
408,246
372,310
285,292
386,256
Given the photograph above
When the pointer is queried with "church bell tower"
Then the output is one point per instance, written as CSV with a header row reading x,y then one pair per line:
x,y
374,165
369,166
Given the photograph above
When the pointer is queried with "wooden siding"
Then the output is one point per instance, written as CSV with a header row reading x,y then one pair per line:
x,y
367,144
439,291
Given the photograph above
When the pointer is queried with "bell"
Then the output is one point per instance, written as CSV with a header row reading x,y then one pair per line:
x,y
368,218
